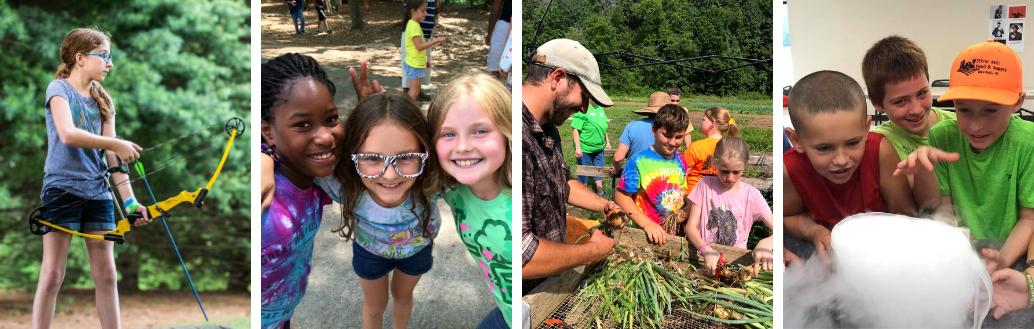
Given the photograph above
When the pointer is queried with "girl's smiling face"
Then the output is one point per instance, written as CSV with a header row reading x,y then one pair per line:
x,y
305,133
388,138
94,66
470,147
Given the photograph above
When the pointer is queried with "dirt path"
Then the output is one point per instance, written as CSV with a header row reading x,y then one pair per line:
x,y
144,310
464,51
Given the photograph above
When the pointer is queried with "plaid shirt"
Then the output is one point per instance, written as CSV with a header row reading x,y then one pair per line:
x,y
544,189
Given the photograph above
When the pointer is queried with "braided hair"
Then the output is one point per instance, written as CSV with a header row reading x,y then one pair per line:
x,y
281,73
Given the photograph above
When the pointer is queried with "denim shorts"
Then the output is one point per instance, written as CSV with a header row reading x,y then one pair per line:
x,y
591,159
372,267
494,320
92,215
412,72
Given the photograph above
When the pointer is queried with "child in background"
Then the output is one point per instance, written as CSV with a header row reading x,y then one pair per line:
x,y
717,123
656,176
590,137
80,120
427,25
506,61
297,14
837,168
387,208
471,116
416,58
295,93
723,209
983,160
321,7
897,78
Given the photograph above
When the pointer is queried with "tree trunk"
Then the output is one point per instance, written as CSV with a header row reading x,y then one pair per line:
x,y
128,263
357,16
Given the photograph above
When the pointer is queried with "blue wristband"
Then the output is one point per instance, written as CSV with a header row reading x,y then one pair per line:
x,y
131,205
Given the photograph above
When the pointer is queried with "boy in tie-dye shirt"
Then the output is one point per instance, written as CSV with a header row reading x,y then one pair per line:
x,y
653,182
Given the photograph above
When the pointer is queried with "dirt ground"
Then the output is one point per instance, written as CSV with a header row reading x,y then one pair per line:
x,y
464,51
144,310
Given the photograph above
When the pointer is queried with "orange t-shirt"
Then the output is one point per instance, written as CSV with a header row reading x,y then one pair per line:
x,y
698,160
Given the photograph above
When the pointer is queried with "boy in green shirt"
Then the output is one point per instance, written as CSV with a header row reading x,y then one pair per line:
x,y
984,160
590,136
898,80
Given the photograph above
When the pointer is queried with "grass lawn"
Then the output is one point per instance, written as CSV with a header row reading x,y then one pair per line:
x,y
759,140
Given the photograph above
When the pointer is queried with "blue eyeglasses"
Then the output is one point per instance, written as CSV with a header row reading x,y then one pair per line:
x,y
106,57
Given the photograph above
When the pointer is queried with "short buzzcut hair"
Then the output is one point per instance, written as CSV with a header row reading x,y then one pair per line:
x,y
824,92
674,91
892,60
672,118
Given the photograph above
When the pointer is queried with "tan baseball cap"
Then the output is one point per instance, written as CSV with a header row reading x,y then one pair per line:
x,y
575,60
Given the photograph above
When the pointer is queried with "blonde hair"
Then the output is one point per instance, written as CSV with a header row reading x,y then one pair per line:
x,y
723,121
80,41
731,147
492,96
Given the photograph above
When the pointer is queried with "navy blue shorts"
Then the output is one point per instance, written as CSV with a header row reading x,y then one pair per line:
x,y
372,267
92,215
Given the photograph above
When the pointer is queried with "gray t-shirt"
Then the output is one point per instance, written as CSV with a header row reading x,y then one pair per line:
x,y
79,171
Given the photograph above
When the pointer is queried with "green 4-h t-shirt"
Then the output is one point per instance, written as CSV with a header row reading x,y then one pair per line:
x,y
904,141
592,129
989,188
485,227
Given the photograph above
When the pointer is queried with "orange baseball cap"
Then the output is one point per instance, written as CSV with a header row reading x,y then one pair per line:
x,y
988,71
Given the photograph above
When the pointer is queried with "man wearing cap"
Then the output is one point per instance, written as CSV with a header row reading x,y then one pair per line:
x,y
638,135
561,79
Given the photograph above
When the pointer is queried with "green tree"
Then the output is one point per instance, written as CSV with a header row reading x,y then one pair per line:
x,y
178,67
666,30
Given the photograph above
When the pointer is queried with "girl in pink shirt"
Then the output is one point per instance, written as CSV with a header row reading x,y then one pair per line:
x,y
723,209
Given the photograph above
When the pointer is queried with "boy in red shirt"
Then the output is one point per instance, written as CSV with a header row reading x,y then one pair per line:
x,y
837,168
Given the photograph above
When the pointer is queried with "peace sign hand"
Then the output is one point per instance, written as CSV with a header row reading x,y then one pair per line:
x,y
362,84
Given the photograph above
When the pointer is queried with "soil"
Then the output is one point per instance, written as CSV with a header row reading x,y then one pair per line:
x,y
142,310
464,50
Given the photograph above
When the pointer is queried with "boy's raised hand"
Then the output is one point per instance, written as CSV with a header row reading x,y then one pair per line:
x,y
923,159
362,84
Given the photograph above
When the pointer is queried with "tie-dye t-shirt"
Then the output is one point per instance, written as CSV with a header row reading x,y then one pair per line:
x,y
657,183
726,217
485,227
289,228
393,233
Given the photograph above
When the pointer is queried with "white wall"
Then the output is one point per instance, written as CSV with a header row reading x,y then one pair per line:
x,y
834,34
